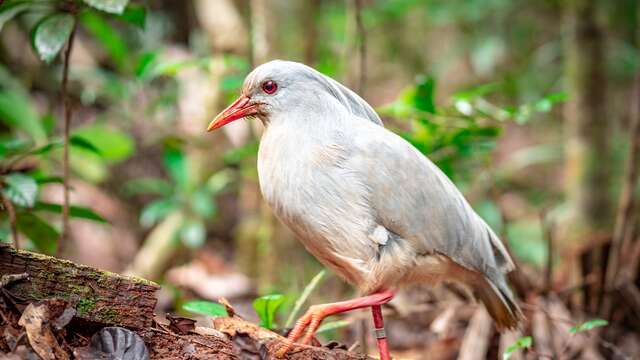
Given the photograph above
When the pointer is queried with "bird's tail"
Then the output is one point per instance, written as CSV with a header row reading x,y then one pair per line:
x,y
499,302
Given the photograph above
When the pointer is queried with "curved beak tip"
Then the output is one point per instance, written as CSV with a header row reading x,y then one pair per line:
x,y
239,109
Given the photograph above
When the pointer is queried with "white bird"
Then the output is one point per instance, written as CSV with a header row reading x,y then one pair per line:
x,y
362,200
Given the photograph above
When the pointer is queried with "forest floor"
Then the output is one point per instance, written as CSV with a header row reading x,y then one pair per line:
x,y
61,310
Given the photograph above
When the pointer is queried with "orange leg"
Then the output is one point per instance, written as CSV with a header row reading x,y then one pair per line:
x,y
313,317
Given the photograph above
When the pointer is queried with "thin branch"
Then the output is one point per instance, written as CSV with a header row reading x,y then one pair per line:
x,y
11,212
67,126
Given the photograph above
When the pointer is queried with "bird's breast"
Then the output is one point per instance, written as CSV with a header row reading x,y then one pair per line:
x,y
310,189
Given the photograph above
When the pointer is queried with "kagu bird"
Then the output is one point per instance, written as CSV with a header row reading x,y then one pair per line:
x,y
362,200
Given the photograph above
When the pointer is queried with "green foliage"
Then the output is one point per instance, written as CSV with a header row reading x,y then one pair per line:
x,y
41,233
157,210
110,6
107,36
74,211
102,146
206,308
135,14
588,325
20,189
50,35
12,8
112,144
524,342
193,233
17,111
266,307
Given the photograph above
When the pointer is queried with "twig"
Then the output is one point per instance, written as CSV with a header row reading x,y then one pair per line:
x,y
362,47
11,211
67,126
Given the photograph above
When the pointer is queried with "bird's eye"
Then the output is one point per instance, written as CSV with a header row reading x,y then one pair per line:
x,y
269,87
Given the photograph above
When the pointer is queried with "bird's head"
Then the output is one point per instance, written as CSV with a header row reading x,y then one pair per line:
x,y
278,87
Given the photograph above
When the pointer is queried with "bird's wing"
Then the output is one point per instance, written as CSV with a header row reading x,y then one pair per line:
x,y
413,198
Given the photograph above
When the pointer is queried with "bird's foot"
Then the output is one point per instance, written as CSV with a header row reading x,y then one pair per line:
x,y
310,321
313,317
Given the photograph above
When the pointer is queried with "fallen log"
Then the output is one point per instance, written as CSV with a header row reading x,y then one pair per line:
x,y
104,298
97,295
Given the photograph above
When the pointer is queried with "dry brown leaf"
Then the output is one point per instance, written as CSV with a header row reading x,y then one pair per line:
x,y
35,319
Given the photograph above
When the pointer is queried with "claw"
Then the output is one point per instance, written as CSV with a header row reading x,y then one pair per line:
x,y
310,321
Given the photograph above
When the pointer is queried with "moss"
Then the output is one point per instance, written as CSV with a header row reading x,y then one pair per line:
x,y
109,316
85,305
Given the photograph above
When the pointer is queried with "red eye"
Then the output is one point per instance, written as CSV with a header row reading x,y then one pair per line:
x,y
269,87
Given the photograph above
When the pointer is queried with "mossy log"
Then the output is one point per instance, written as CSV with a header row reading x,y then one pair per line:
x,y
98,296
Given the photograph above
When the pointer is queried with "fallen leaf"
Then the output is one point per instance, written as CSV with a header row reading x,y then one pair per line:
x,y
35,319
181,325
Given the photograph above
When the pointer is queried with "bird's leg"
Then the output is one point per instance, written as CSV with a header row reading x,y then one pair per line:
x,y
381,334
313,317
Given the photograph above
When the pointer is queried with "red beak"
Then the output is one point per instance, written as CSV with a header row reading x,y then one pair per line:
x,y
240,108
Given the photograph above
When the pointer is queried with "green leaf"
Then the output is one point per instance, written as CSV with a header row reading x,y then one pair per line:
x,y
193,234
148,186
176,164
114,145
17,111
9,10
424,95
524,342
13,146
206,308
82,143
202,203
235,156
43,235
48,180
135,14
588,325
219,181
45,149
50,35
21,189
109,38
156,211
145,64
74,211
266,307
110,6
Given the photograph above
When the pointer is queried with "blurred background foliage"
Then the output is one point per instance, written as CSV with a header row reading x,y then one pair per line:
x,y
483,87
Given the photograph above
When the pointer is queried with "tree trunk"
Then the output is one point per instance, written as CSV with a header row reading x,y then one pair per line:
x,y
587,125
587,131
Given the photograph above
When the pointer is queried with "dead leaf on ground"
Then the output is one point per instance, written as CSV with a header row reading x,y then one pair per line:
x,y
35,320
181,325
